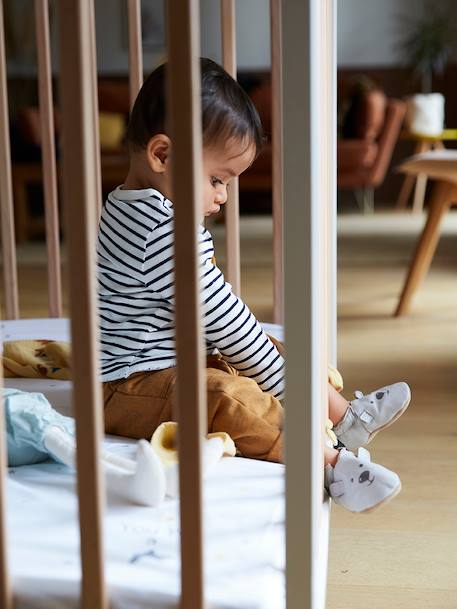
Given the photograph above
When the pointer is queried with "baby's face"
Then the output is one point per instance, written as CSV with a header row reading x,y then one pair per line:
x,y
220,166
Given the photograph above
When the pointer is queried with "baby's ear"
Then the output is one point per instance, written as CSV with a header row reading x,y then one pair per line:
x,y
158,152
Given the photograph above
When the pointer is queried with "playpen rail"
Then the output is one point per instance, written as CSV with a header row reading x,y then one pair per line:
x,y
276,161
184,102
11,304
306,196
96,133
80,193
135,49
49,164
6,601
10,285
232,208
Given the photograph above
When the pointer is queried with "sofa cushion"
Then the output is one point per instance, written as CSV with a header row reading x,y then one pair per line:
x,y
372,115
362,113
355,153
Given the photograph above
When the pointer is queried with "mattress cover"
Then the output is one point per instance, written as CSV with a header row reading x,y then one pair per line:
x,y
243,516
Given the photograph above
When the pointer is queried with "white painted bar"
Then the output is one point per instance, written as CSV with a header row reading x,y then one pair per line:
x,y
232,207
331,46
48,160
80,199
184,103
276,161
135,49
10,286
306,199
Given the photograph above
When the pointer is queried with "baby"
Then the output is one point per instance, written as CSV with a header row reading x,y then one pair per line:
x,y
245,369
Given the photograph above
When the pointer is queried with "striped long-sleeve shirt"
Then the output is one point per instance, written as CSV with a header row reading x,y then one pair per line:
x,y
136,297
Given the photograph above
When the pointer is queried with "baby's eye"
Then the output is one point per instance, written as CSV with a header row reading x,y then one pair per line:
x,y
215,181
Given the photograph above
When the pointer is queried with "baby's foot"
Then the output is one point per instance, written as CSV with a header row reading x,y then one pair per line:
x,y
358,484
368,414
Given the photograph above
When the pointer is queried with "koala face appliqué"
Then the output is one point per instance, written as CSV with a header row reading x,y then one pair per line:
x,y
364,476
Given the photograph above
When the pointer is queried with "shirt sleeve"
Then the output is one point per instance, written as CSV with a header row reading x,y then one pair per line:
x,y
235,332
229,325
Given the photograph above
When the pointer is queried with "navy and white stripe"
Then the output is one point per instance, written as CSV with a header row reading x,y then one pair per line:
x,y
136,296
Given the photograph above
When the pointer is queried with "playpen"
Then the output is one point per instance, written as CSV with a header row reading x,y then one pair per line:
x,y
304,209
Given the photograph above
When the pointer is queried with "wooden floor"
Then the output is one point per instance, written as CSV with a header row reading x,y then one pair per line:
x,y
403,556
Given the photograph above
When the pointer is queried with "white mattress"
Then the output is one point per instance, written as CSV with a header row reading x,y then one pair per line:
x,y
244,513
244,543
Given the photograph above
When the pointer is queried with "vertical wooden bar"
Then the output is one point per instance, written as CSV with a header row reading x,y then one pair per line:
x,y
48,157
80,197
6,600
6,192
98,161
184,104
135,49
306,305
232,208
276,159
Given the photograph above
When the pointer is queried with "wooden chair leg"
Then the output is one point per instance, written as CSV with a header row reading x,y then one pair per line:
x,y
405,192
410,180
419,193
443,195
421,181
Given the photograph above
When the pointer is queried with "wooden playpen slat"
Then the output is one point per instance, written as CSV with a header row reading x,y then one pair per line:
x,y
80,197
232,207
6,600
190,401
10,286
306,307
135,49
96,132
48,157
276,159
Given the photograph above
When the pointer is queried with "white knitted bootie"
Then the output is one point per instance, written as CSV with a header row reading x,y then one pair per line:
x,y
369,414
358,484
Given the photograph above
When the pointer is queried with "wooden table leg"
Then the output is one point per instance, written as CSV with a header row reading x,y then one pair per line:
x,y
443,195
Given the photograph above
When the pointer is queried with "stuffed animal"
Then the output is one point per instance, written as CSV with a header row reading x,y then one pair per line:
x,y
36,432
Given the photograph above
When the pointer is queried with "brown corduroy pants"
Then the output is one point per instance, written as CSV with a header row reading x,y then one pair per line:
x,y
137,405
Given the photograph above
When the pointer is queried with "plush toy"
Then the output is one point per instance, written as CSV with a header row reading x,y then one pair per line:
x,y
164,442
36,432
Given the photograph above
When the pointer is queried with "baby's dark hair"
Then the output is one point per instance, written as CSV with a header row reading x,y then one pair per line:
x,y
227,111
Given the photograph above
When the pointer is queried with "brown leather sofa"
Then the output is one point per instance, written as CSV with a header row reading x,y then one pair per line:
x,y
368,140
364,150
